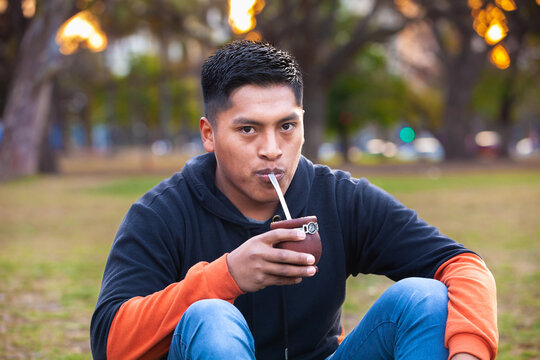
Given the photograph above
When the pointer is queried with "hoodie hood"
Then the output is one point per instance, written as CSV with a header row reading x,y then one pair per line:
x,y
199,173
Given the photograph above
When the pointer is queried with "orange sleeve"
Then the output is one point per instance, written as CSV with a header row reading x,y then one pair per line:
x,y
472,307
143,326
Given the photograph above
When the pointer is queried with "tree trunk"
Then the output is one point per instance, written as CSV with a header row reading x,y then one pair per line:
x,y
510,94
343,128
163,85
13,26
315,101
25,123
48,161
28,104
86,122
461,77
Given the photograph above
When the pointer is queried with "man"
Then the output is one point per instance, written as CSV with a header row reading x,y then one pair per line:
x,y
194,272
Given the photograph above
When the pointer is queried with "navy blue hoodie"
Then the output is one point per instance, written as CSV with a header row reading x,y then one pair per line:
x,y
186,219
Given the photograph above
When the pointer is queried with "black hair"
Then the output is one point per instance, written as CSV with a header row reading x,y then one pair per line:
x,y
242,63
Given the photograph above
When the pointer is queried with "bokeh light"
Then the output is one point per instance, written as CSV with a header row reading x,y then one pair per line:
x,y
491,19
28,8
524,147
495,33
499,57
406,134
475,4
506,5
375,146
426,145
408,8
487,139
490,23
242,14
3,6
253,36
81,30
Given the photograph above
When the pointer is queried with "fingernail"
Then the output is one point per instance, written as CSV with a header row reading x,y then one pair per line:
x,y
311,271
310,259
300,234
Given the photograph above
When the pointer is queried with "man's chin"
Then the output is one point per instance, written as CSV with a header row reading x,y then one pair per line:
x,y
266,199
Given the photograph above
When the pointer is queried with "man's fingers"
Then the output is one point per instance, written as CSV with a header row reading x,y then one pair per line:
x,y
289,271
257,264
275,236
284,256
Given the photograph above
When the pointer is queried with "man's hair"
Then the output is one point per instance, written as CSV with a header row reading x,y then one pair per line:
x,y
242,63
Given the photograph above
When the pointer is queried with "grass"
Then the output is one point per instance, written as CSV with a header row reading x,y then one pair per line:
x,y
55,234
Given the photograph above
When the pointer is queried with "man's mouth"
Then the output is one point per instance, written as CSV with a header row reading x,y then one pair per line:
x,y
263,174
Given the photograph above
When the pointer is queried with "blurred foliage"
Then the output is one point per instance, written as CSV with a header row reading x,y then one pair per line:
x,y
158,95
123,101
370,94
325,37
344,48
487,93
493,87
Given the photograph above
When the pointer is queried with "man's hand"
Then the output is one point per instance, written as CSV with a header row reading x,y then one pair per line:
x,y
464,356
256,264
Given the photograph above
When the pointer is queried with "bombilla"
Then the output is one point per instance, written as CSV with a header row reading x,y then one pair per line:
x,y
274,181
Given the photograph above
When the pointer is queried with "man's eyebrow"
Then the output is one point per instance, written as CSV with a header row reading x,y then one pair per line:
x,y
291,117
248,121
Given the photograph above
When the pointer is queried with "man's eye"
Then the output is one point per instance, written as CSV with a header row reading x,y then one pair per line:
x,y
288,126
247,129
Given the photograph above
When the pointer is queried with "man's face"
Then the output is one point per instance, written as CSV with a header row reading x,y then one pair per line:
x,y
261,132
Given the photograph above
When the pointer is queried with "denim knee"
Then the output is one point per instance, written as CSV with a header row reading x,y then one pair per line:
x,y
212,329
422,298
208,308
429,293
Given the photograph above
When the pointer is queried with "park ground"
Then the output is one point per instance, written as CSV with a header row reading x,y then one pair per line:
x,y
56,232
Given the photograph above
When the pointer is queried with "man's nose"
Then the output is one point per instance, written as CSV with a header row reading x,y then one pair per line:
x,y
270,148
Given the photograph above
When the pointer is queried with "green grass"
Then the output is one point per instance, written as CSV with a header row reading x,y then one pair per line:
x,y
55,234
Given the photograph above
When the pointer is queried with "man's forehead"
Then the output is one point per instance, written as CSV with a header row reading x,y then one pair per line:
x,y
274,87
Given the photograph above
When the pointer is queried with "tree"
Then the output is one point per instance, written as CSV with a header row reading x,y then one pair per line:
x,y
523,35
462,57
13,24
462,63
28,105
184,24
29,96
368,93
325,36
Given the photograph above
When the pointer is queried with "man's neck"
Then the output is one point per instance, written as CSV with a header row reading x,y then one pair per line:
x,y
260,213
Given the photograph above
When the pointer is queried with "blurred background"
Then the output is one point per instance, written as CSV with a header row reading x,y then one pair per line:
x,y
392,81
438,102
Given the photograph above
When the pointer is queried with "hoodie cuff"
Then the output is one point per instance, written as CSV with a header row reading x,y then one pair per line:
x,y
220,279
470,344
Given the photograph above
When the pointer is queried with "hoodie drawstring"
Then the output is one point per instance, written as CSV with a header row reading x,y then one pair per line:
x,y
285,323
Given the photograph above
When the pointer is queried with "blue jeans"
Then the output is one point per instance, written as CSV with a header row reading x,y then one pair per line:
x,y
407,322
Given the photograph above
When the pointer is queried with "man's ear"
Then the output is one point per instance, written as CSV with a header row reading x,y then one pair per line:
x,y
207,134
303,137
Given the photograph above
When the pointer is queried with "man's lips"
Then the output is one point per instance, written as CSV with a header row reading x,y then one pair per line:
x,y
263,174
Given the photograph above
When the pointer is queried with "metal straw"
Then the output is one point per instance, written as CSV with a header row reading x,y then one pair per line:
x,y
280,195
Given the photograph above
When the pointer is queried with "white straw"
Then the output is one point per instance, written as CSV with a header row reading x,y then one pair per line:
x,y
280,195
